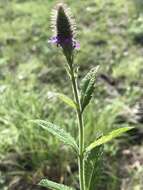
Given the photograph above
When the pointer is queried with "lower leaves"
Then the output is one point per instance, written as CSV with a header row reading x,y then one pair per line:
x,y
93,162
105,139
93,157
60,133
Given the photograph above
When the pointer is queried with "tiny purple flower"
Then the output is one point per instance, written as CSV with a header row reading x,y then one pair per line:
x,y
76,45
53,40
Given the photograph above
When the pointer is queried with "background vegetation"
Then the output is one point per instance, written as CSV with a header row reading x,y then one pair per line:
x,y
111,35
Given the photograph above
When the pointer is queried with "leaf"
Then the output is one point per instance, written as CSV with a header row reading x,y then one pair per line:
x,y
58,132
87,87
67,100
109,137
93,168
64,98
54,186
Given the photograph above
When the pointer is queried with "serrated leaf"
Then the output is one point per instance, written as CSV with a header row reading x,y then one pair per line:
x,y
66,100
54,186
93,170
58,132
87,87
107,138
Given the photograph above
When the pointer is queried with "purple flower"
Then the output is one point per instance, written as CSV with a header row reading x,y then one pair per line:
x,y
64,42
64,31
53,40
76,45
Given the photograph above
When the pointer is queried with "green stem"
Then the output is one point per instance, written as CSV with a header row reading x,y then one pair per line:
x,y
81,130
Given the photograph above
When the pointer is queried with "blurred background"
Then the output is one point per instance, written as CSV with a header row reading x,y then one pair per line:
x,y
111,35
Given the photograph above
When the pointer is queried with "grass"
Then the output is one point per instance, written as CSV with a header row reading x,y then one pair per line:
x,y
30,68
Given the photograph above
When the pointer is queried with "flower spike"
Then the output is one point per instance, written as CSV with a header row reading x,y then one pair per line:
x,y
64,31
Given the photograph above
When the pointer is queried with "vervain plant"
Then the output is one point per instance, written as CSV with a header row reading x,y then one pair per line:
x,y
64,37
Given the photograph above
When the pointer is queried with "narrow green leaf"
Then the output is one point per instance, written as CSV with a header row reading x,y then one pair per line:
x,y
109,137
58,132
87,87
66,100
93,168
54,186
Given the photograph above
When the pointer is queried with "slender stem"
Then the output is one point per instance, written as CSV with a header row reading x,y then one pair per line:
x,y
81,130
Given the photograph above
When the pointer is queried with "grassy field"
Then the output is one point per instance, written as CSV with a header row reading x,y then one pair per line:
x,y
111,35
